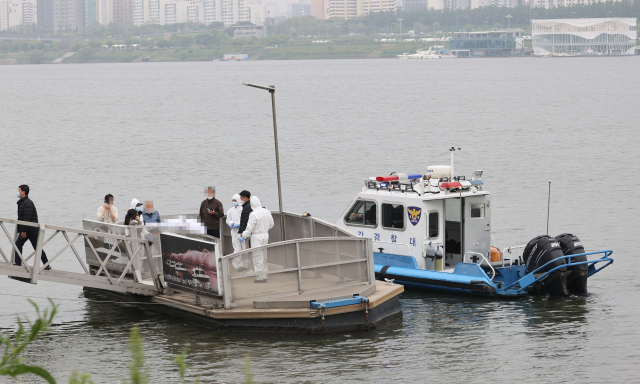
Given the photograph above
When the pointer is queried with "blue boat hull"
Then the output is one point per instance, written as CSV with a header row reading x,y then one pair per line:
x,y
467,278
470,278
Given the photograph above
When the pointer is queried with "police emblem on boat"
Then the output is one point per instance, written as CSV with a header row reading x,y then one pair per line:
x,y
414,214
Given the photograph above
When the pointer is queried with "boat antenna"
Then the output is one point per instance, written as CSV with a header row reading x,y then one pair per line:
x,y
452,149
548,206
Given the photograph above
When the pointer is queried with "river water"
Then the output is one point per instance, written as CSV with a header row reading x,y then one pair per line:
x,y
163,131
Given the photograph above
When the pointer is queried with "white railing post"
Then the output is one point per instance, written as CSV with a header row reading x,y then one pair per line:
x,y
299,270
13,251
152,267
368,251
226,283
35,271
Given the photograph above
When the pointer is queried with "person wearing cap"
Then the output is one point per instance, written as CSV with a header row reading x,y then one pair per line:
x,y
211,211
137,205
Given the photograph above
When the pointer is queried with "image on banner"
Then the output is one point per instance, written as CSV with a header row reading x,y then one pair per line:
x,y
189,263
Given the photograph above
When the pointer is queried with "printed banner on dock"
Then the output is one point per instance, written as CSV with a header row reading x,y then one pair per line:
x,y
189,263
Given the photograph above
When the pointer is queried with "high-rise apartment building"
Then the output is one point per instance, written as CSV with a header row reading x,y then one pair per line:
x,y
90,13
104,11
122,12
298,9
351,9
414,5
228,12
17,12
319,9
59,15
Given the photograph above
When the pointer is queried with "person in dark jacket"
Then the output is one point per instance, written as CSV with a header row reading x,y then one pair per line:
x,y
246,210
27,212
211,211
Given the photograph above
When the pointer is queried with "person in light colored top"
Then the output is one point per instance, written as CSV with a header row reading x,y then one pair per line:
x,y
108,213
260,222
240,263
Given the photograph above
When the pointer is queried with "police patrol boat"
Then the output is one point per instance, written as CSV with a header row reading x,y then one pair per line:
x,y
433,231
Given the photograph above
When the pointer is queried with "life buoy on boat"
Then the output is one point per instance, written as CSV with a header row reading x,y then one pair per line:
x,y
495,254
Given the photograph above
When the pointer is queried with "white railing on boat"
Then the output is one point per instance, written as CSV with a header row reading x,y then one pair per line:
x,y
298,266
519,250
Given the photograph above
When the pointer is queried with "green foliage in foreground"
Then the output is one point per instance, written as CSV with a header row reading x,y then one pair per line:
x,y
12,364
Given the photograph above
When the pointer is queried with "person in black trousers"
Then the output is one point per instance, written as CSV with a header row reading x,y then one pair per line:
x,y
246,210
27,212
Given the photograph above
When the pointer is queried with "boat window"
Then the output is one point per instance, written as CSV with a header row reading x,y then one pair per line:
x,y
434,224
362,213
452,210
477,211
393,216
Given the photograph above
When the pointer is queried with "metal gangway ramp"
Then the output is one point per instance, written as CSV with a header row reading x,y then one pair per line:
x,y
31,271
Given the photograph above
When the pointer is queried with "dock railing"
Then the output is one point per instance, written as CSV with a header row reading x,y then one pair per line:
x,y
298,266
130,279
296,227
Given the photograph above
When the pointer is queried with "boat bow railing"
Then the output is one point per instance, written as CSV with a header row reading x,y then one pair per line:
x,y
530,278
298,266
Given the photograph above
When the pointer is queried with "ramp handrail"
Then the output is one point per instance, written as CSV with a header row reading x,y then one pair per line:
x,y
366,260
36,271
529,279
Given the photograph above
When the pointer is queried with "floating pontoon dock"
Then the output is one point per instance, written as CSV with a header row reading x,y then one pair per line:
x,y
320,277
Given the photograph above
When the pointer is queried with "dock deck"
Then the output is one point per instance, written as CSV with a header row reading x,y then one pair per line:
x,y
383,305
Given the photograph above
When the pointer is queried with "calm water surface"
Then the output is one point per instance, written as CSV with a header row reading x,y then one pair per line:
x,y
163,131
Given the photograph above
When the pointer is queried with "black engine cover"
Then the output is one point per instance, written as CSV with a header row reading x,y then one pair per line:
x,y
578,274
537,253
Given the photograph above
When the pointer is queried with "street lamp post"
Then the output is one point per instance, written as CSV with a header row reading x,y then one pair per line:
x,y
272,91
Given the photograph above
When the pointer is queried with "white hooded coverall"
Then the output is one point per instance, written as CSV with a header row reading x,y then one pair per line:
x,y
260,222
233,217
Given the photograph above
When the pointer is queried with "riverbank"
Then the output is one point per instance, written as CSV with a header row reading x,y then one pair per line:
x,y
287,52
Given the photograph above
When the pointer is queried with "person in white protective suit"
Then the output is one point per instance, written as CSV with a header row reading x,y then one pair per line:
x,y
260,222
240,263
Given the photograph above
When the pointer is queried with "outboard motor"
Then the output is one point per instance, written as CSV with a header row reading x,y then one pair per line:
x,y
537,253
577,274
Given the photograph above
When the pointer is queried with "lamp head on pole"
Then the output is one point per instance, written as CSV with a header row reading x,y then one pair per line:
x,y
270,88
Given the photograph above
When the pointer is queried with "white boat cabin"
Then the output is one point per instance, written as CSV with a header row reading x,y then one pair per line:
x,y
405,214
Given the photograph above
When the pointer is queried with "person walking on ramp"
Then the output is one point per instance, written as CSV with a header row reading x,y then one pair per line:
x,y
260,222
27,212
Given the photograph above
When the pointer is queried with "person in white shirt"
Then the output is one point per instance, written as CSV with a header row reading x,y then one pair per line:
x,y
107,213
241,262
260,222
137,205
